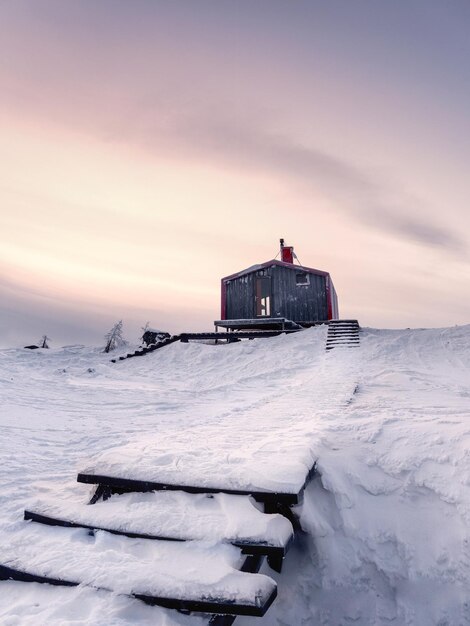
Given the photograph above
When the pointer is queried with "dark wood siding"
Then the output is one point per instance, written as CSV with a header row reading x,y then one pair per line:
x,y
300,303
240,294
297,302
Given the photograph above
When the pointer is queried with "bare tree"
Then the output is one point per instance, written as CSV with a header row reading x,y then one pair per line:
x,y
43,343
114,337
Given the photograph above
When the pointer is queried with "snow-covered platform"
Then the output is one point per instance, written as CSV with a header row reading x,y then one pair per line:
x,y
185,462
185,576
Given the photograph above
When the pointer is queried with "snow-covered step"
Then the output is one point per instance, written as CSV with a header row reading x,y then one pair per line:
x,y
347,340
194,461
171,515
336,337
344,344
343,338
190,576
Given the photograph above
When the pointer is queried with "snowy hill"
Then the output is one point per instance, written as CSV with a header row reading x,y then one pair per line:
x,y
386,521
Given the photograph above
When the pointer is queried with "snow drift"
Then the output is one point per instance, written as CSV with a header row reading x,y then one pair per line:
x,y
386,521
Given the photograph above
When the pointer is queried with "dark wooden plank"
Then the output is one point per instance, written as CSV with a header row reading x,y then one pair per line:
x,y
127,484
10,573
207,606
203,605
234,336
343,338
251,321
247,547
55,521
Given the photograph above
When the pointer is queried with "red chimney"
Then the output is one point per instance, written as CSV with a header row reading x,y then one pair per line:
x,y
287,253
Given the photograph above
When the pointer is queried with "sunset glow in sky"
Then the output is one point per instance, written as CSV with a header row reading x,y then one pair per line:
x,y
149,148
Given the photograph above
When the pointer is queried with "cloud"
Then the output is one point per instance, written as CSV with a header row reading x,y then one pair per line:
x,y
424,231
184,106
244,144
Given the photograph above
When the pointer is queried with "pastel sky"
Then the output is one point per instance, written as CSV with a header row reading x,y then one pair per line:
x,y
148,148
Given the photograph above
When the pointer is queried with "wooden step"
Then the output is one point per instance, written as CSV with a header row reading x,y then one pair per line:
x,y
118,484
183,461
343,338
339,342
349,342
344,329
333,329
182,576
172,516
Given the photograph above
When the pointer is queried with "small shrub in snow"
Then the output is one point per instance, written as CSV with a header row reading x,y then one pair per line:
x,y
114,338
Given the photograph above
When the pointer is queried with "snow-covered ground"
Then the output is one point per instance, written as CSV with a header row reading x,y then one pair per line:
x,y
386,522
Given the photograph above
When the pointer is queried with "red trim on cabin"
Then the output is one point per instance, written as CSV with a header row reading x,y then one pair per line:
x,y
331,300
261,266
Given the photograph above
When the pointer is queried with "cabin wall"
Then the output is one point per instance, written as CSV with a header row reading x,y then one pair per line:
x,y
300,303
240,298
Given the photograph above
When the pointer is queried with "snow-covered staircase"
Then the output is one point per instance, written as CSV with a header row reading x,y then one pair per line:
x,y
343,333
173,516
167,541
164,573
150,348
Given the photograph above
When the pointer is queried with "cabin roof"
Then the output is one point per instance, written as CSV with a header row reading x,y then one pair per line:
x,y
260,266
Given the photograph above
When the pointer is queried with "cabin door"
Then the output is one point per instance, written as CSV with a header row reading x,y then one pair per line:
x,y
263,296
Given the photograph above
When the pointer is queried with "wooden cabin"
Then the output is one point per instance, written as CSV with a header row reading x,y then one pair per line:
x,y
263,295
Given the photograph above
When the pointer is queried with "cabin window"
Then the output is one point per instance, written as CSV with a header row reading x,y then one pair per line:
x,y
263,296
302,278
